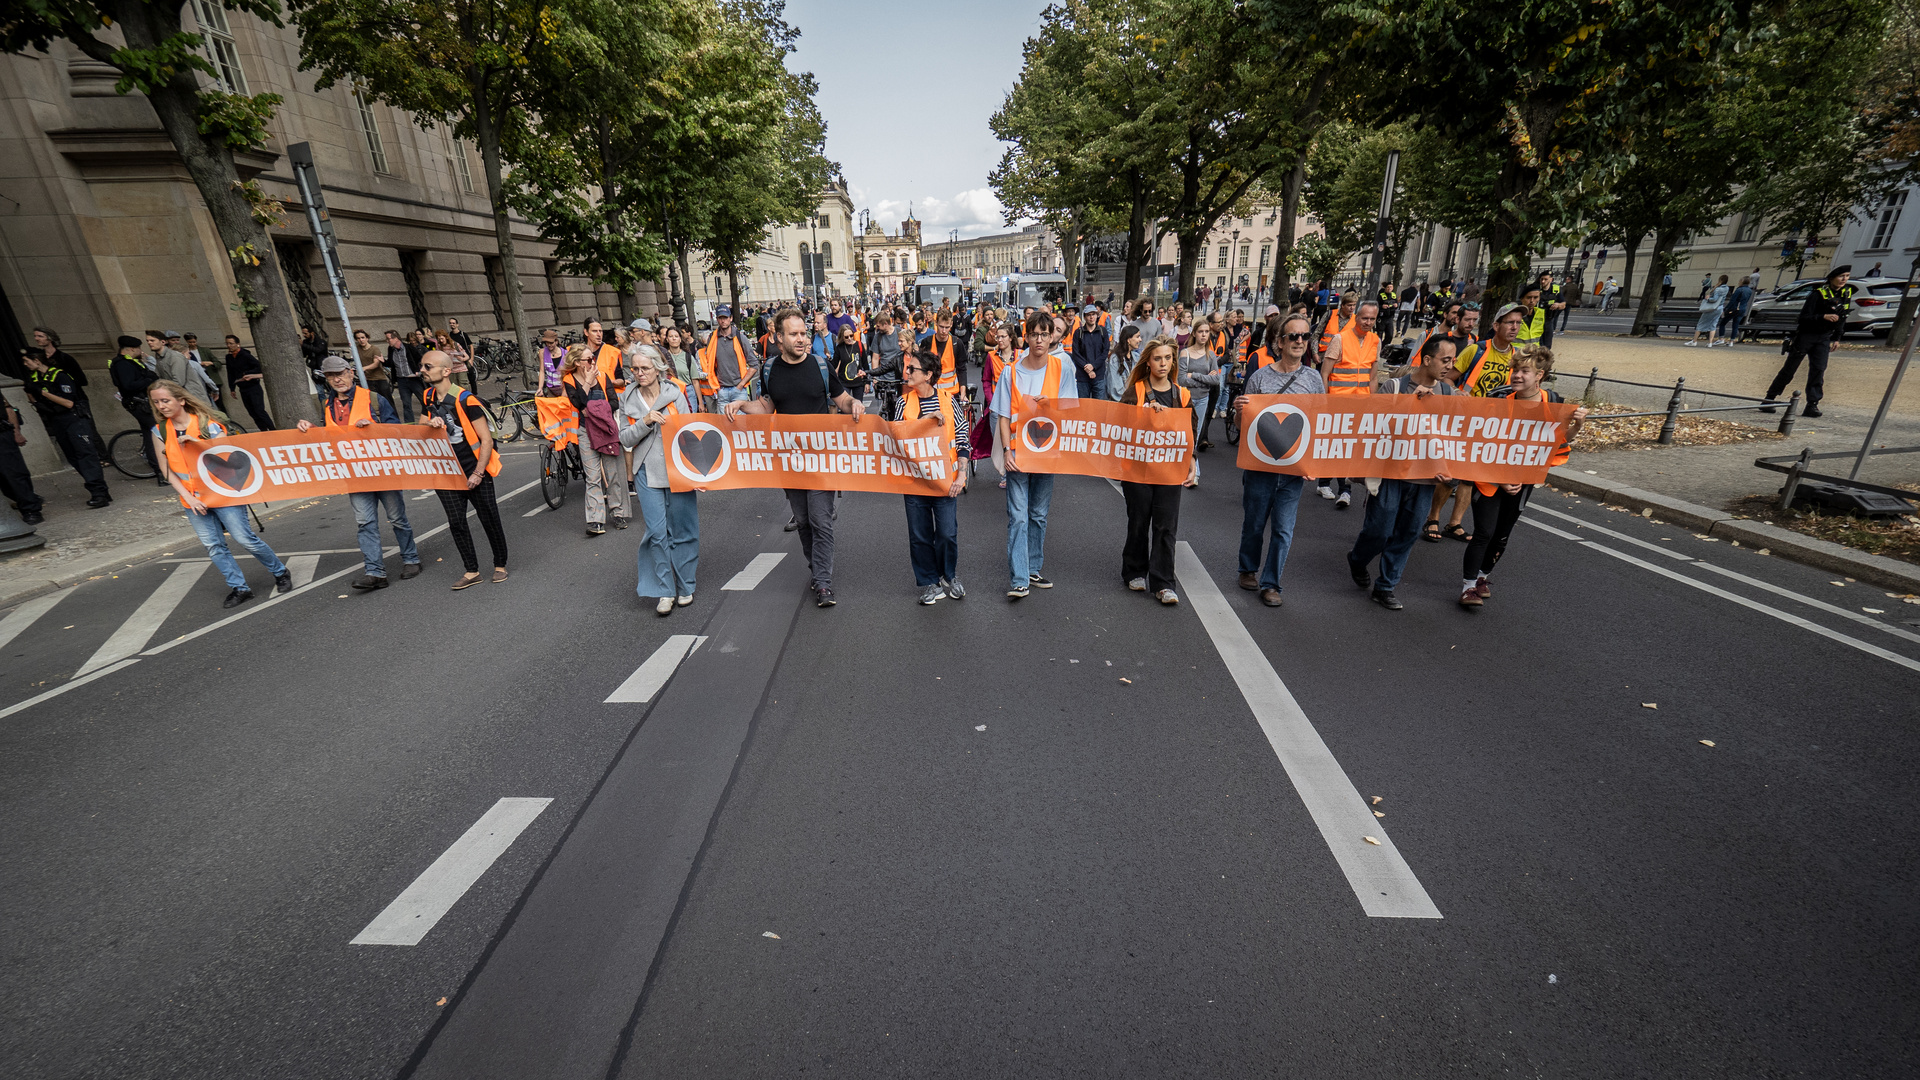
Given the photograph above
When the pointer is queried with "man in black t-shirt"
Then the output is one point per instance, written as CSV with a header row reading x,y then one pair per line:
x,y
798,383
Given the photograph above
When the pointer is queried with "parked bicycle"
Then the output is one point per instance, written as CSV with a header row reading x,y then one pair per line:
x,y
496,358
126,451
514,415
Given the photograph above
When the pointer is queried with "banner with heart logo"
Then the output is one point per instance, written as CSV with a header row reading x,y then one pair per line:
x,y
270,466
1402,437
1088,437
706,451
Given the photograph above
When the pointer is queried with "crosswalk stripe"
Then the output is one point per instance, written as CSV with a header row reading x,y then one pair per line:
x,y
133,635
23,616
302,568
754,572
651,675
422,904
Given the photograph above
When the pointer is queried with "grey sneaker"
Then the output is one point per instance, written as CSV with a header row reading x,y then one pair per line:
x,y
931,595
955,591
1138,584
1167,597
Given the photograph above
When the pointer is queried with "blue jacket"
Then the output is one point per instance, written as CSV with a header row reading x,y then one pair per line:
x,y
1090,347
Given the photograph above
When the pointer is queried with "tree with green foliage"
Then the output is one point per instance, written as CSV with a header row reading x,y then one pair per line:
x,y
161,60
476,64
1346,168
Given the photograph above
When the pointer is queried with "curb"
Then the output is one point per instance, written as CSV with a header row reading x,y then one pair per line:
x,y
1824,554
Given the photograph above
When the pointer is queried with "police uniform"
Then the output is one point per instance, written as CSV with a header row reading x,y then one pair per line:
x,y
71,427
1813,337
16,481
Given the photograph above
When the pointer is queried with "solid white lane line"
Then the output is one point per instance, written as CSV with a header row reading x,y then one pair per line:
x,y
422,904
302,567
651,675
1636,541
1385,886
23,616
425,495
1784,616
81,680
755,572
535,510
133,635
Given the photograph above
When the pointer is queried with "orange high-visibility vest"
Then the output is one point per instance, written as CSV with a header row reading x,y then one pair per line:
x,y
466,425
1334,326
710,368
609,363
1049,387
358,409
910,410
947,381
1261,358
1353,372
559,421
177,455
1139,392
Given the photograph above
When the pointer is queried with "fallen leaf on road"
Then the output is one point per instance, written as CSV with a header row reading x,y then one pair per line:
x,y
1706,742
1649,705
1073,661
1849,579
1874,610
979,727
1735,543
1766,551
442,1001
1126,680
1842,584
1377,813
1371,840
1378,799
1699,536
771,934
1646,511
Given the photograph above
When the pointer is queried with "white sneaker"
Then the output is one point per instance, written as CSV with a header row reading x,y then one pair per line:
x,y
664,607
1345,500
1167,597
685,600
1138,584
1326,492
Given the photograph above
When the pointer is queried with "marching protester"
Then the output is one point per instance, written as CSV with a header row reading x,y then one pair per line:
x,y
890,342
683,361
184,420
63,408
1347,367
460,414
1338,320
801,382
1039,373
1153,510
728,361
953,360
670,550
601,456
553,356
850,360
1397,510
1496,507
1270,500
1480,370
131,377
350,406
933,537
1090,358
1823,318
606,355
1200,374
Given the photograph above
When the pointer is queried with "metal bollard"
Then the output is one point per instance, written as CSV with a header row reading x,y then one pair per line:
x,y
1793,477
1592,379
1673,413
1786,421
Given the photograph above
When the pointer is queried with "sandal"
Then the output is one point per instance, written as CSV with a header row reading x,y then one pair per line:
x,y
499,574
1431,531
1455,532
467,581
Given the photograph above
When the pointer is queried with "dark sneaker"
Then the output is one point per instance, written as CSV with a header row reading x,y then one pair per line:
x,y
1250,581
1018,592
1482,588
409,570
1471,599
237,597
1040,582
1360,575
956,591
369,583
1768,407
824,598
1813,413
1388,600
99,503
792,524
32,517
283,582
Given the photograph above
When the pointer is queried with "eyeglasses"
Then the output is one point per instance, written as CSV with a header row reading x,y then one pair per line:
x,y
1297,337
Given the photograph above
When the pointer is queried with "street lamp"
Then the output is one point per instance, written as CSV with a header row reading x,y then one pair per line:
x,y
1233,259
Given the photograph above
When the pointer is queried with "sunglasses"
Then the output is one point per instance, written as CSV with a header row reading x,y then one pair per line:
x,y
1297,337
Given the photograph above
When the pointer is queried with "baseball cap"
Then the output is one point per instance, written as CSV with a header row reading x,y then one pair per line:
x,y
334,365
171,334
640,324
1089,310
724,311
1505,310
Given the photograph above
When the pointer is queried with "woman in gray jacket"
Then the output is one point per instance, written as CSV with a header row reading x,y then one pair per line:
x,y
1200,374
670,551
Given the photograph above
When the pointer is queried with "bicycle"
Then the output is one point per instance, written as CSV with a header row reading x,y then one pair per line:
x,y
513,412
126,451
557,469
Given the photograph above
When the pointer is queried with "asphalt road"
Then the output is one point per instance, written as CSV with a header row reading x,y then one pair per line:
x,y
1079,835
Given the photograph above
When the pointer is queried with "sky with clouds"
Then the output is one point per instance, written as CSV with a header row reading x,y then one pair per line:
x,y
906,89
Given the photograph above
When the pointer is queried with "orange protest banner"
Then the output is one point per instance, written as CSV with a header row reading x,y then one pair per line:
x,y
1087,437
706,451
1403,437
269,466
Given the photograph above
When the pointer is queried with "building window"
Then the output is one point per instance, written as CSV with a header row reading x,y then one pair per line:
x,y
1886,217
371,129
1266,253
826,255
220,46
892,265
1748,231
1221,257
876,264
462,165
804,252
410,264
1219,283
1246,223
1246,250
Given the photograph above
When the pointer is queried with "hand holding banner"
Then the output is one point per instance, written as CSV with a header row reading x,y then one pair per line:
x,y
1403,436
269,466
1088,437
705,451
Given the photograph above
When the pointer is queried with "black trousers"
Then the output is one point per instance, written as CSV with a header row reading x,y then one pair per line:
x,y
16,482
1494,517
253,395
408,390
1153,523
484,504
142,414
78,442
1814,350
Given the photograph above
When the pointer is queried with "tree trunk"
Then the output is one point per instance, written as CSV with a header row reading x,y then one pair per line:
x,y
733,292
676,294
1190,244
1508,259
686,275
1071,250
1136,235
1626,275
486,133
1290,189
1664,241
276,339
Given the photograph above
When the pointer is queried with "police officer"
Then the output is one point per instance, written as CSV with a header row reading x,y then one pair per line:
x,y
16,482
57,398
131,378
1823,318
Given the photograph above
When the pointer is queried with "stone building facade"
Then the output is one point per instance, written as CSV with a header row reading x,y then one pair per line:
x,y
887,262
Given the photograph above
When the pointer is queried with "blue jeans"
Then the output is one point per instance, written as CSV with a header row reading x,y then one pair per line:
x,y
1392,525
366,514
730,393
933,538
1091,386
212,528
670,551
1028,496
1267,498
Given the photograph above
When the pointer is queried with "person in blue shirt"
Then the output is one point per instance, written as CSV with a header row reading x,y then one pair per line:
x,y
345,408
1040,373
1090,356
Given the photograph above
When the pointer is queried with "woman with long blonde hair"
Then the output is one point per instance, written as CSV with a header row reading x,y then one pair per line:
x,y
184,423
1153,510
